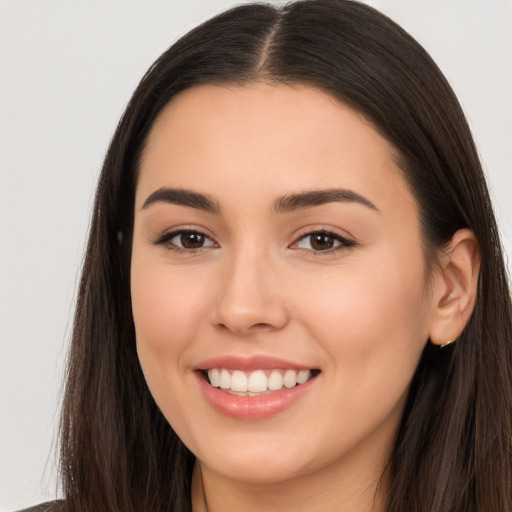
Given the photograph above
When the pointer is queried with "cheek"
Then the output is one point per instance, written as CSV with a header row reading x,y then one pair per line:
x,y
372,327
369,313
372,321
165,303
158,315
167,308
382,294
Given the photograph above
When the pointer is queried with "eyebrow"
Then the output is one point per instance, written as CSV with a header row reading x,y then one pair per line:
x,y
320,197
292,202
182,197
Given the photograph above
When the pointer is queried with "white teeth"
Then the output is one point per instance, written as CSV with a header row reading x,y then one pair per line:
x,y
225,379
214,377
290,379
259,381
238,381
303,376
275,381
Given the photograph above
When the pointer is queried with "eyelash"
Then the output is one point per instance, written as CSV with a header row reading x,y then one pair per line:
x,y
343,243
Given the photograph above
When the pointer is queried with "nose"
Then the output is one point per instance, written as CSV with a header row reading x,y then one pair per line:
x,y
250,296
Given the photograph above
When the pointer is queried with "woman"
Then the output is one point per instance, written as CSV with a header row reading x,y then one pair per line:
x,y
293,296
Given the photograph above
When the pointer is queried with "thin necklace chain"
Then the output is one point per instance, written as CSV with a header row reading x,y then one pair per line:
x,y
205,503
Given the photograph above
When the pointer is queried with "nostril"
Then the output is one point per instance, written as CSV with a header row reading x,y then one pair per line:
x,y
260,325
244,328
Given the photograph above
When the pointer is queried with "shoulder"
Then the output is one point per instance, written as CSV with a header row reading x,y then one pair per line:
x,y
49,506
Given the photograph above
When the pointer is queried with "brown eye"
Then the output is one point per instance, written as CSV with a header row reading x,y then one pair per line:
x,y
322,241
191,240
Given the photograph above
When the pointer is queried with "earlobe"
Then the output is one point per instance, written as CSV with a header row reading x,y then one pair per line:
x,y
455,287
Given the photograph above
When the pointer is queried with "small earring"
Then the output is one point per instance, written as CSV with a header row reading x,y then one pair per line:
x,y
446,344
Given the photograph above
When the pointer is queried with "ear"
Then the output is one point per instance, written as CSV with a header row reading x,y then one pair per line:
x,y
455,287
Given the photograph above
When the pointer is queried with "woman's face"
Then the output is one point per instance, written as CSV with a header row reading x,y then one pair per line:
x,y
277,248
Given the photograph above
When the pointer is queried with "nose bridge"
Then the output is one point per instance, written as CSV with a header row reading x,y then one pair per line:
x,y
249,297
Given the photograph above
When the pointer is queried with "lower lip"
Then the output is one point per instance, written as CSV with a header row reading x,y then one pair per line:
x,y
253,407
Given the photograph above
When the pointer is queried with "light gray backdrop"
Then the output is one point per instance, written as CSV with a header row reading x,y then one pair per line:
x,y
67,69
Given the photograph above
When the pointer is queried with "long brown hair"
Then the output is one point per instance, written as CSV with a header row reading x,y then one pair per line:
x,y
453,447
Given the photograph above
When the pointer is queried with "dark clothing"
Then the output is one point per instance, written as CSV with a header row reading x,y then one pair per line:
x,y
43,507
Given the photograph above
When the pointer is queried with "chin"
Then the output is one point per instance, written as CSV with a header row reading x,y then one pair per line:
x,y
261,459
269,470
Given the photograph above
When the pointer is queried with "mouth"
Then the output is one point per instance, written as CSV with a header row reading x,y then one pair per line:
x,y
257,382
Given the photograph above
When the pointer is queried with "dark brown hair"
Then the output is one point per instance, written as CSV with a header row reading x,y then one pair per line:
x,y
453,447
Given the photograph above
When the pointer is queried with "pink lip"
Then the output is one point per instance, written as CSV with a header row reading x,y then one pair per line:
x,y
251,408
248,364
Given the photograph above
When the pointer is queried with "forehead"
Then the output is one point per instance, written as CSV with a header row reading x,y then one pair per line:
x,y
273,139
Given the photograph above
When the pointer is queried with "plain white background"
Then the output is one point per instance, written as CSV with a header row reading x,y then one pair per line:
x,y
67,69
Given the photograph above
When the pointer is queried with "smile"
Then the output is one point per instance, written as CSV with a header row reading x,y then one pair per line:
x,y
256,387
257,382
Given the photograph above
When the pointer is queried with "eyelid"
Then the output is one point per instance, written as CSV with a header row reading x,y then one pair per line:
x,y
323,228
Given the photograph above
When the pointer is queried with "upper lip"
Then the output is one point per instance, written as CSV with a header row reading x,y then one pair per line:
x,y
256,362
